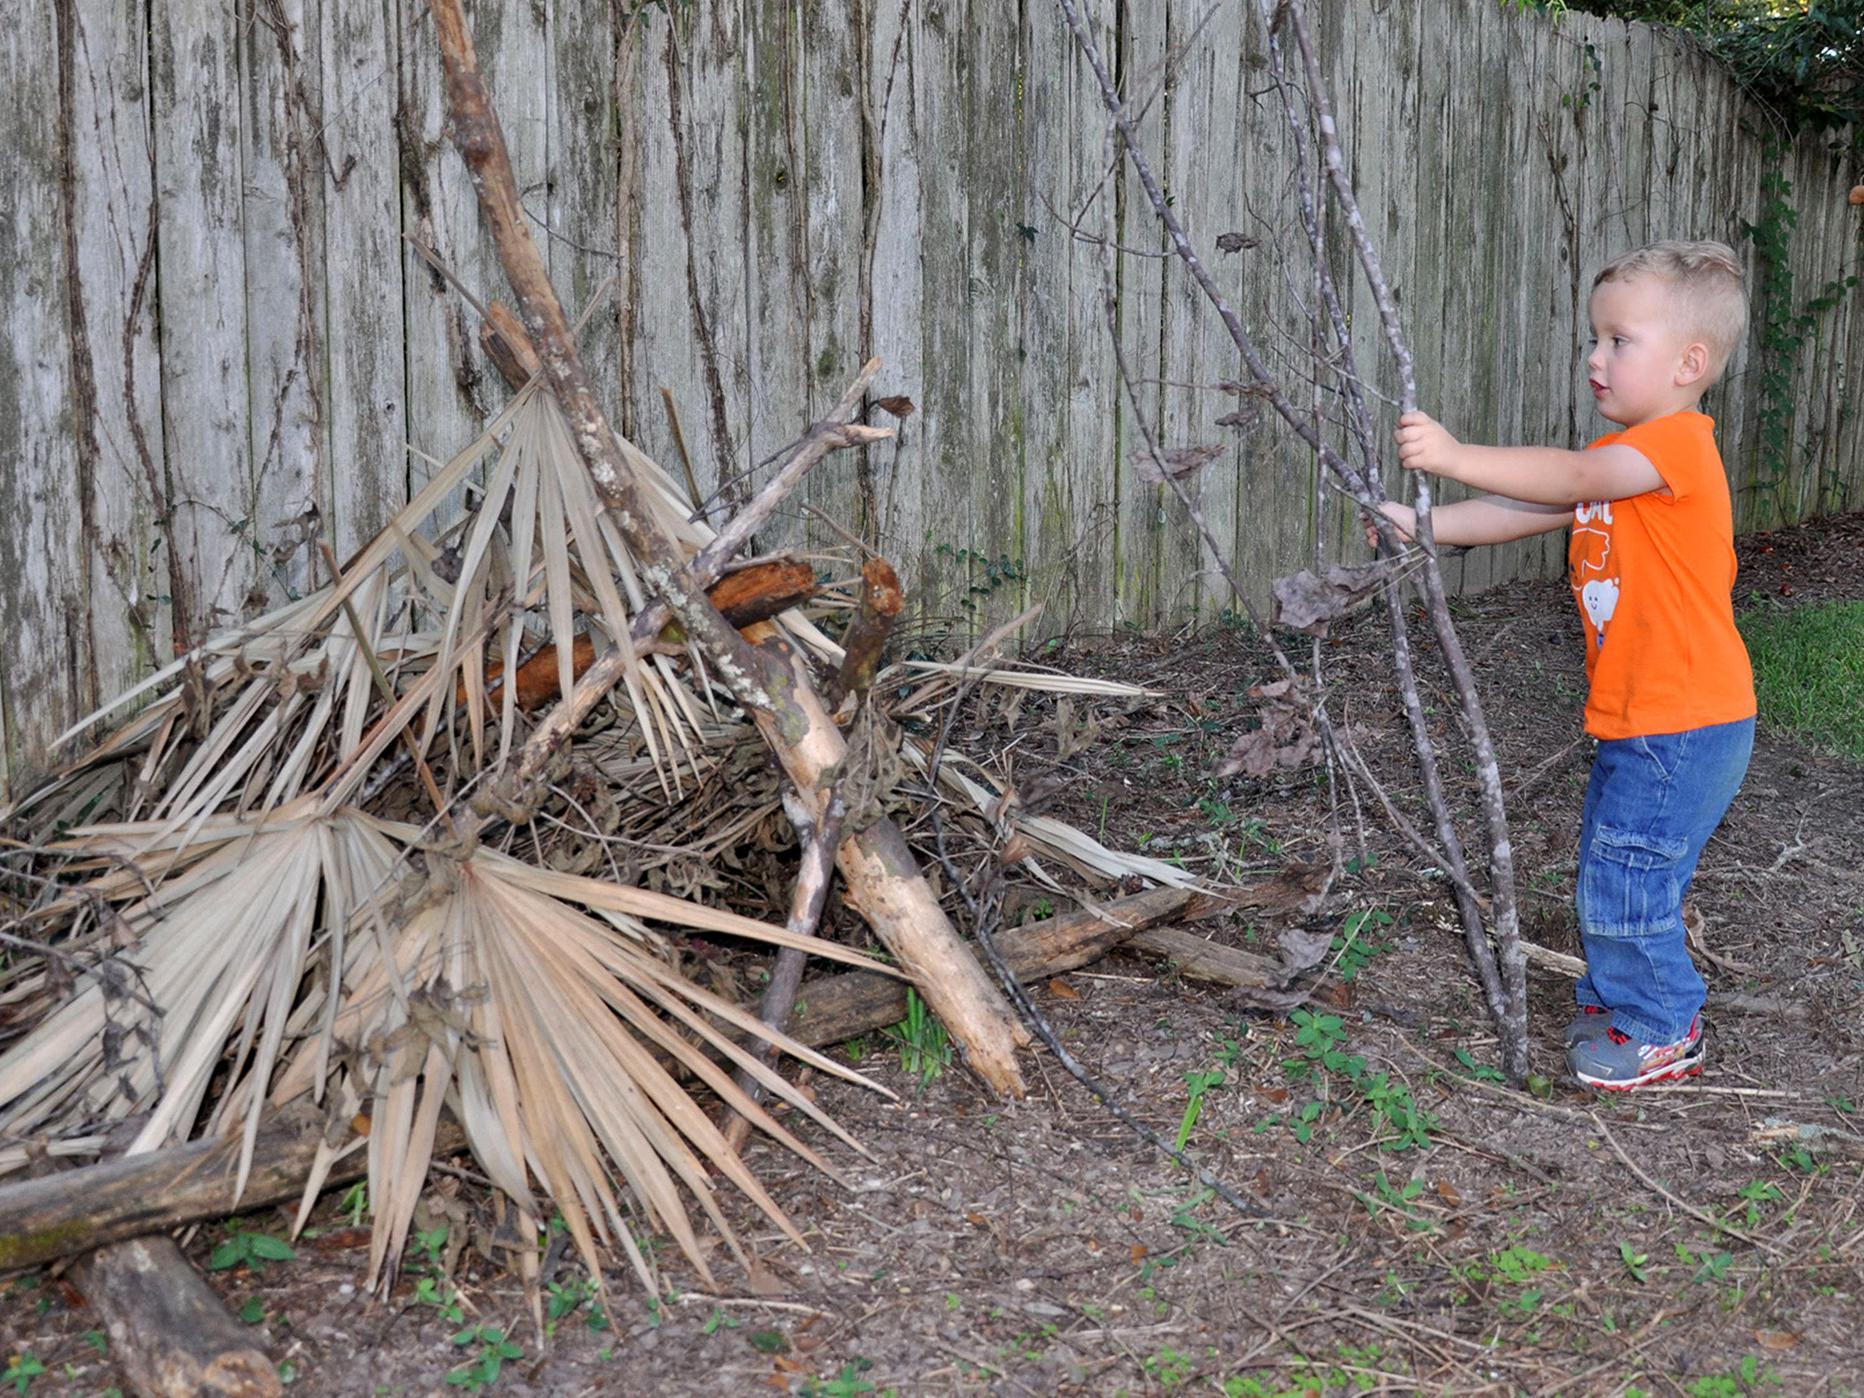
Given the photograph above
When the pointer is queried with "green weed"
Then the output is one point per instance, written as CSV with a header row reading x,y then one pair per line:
x,y
249,1250
1747,1380
1386,1195
1635,1262
1353,948
925,1048
21,1370
438,1292
494,1350
1196,1084
847,1384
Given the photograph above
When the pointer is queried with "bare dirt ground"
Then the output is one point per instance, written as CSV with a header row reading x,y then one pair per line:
x,y
1422,1228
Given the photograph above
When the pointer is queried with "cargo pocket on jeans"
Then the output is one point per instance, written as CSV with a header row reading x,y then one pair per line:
x,y
1628,887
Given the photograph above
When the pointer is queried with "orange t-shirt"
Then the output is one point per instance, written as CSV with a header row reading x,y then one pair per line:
x,y
1654,576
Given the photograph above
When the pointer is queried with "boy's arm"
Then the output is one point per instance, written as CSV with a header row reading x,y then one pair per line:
x,y
1488,519
1535,475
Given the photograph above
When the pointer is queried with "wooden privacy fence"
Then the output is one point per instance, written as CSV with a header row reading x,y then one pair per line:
x,y
219,346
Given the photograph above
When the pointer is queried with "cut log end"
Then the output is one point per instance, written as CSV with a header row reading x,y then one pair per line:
x,y
169,1333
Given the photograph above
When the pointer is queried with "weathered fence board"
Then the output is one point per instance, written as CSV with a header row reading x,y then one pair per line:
x,y
219,344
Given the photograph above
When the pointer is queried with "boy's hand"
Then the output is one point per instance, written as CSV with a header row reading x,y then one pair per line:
x,y
1424,445
1402,516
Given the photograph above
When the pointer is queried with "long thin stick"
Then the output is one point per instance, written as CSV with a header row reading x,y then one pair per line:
x,y
1511,1021
768,682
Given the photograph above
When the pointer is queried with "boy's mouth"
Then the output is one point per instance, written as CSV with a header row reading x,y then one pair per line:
x,y
1598,389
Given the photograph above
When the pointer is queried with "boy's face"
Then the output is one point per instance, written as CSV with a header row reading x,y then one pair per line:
x,y
1641,366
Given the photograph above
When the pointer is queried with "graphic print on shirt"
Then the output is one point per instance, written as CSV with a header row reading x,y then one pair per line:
x,y
1594,570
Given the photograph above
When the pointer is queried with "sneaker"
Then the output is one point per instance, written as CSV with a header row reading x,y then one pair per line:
x,y
1617,1062
1593,1021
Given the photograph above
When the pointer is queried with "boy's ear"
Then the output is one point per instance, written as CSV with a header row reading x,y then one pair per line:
x,y
1693,364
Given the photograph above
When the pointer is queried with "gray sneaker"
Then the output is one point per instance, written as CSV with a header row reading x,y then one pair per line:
x,y
1593,1021
1617,1062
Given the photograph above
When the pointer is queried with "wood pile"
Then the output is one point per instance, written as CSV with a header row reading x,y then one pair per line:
x,y
328,895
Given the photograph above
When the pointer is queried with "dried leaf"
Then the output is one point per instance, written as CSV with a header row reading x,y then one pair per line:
x,y
899,405
1448,1193
1308,601
1180,463
1301,951
1061,990
1286,740
1776,1339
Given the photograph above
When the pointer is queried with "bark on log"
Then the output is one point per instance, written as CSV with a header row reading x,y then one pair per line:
x,y
885,887
170,1336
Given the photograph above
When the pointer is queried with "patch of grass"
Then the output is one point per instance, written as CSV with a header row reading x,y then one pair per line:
x,y
1809,672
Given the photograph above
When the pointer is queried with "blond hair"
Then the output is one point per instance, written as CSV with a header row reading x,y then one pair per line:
x,y
1709,292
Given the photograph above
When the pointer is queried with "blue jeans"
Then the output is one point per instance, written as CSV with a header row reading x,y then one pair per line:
x,y
1651,806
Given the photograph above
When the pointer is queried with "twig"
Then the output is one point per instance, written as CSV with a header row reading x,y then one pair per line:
x,y
686,460
1700,1215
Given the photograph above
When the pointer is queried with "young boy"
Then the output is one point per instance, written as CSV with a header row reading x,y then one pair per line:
x,y
1652,567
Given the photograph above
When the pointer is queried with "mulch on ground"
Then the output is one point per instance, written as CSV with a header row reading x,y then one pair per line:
x,y
1421,1226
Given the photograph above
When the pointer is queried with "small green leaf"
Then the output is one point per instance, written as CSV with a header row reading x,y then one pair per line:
x,y
272,1249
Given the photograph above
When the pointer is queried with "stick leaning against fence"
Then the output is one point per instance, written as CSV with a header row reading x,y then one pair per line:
x,y
883,881
1506,991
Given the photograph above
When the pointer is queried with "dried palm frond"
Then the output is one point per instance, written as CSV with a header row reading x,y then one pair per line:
x,y
221,952
534,1002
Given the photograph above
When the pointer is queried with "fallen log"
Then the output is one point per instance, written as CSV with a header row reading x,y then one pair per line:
x,y
43,1219
170,1335
130,1196
831,1009
1200,959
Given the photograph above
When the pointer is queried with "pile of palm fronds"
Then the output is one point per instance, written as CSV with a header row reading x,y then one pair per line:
x,y
288,868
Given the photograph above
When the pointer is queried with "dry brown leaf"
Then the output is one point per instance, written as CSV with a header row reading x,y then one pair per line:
x,y
1448,1193
1776,1339
1061,990
1285,740
1309,601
